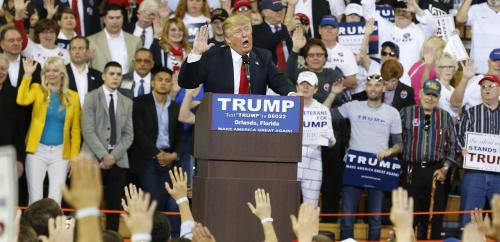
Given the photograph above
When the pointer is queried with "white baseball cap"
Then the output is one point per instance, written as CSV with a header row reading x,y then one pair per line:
x,y
354,8
309,77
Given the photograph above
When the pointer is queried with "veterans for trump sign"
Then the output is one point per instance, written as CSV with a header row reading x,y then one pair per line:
x,y
363,169
483,152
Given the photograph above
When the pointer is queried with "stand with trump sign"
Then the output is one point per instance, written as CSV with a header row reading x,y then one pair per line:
x,y
483,152
245,142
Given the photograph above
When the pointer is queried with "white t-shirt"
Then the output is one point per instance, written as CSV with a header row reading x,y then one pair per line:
x,y
343,58
317,128
472,94
371,128
172,4
444,100
40,53
409,39
485,25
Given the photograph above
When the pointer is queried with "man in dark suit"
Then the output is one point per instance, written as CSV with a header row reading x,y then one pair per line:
x,y
221,70
138,81
157,141
86,11
82,78
271,34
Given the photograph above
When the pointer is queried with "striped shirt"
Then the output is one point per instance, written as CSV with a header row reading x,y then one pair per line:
x,y
437,142
479,119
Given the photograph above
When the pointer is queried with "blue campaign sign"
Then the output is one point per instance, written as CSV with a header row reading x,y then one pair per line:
x,y
386,11
255,113
362,169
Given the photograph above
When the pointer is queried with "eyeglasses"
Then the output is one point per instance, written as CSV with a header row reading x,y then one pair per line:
x,y
450,68
317,55
376,77
391,54
243,9
489,86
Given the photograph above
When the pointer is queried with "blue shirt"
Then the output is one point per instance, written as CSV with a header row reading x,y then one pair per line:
x,y
53,130
162,142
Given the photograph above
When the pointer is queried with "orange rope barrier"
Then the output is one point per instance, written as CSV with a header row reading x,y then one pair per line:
x,y
321,215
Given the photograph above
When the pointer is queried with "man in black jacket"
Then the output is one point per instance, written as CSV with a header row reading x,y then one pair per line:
x,y
157,139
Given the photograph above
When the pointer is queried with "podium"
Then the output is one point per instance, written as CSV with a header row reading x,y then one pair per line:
x,y
232,163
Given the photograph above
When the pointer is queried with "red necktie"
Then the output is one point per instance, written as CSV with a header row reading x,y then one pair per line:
x,y
243,80
280,53
74,6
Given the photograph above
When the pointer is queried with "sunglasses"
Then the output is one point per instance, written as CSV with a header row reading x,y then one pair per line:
x,y
243,9
376,77
385,53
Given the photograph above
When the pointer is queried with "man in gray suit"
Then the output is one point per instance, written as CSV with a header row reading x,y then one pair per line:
x,y
107,134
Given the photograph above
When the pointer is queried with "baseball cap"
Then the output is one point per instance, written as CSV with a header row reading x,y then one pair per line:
x,y
495,54
274,5
309,77
329,20
399,5
432,87
220,14
241,3
354,8
491,78
303,18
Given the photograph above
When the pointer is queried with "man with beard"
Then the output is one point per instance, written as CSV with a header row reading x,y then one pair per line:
x,y
222,70
373,123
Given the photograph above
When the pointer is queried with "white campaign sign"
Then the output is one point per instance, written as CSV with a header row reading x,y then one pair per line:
x,y
316,126
446,26
483,152
456,48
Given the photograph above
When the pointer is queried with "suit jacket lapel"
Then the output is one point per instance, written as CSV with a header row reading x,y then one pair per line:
x,y
71,77
227,62
254,66
129,43
103,101
104,46
152,107
396,100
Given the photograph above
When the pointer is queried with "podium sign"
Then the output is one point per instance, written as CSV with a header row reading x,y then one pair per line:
x,y
255,113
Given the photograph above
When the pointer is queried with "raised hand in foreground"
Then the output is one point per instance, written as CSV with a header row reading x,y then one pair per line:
x,y
262,210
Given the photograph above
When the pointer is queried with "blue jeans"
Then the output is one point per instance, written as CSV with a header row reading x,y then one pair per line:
x,y
153,181
477,186
350,201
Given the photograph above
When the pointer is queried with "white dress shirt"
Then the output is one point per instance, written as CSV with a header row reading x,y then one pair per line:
x,y
118,50
14,71
81,81
148,36
137,81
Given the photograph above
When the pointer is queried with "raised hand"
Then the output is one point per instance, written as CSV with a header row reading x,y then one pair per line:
x,y
29,65
20,5
179,183
164,11
492,229
131,193
402,209
139,219
86,185
202,234
200,44
369,26
60,230
467,69
472,232
306,225
262,208
298,40
51,8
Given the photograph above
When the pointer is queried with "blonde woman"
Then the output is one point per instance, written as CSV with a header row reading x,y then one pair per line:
x,y
54,135
171,46
447,66
194,13
425,69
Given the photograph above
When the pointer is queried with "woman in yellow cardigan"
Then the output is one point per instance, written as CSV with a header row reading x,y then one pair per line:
x,y
54,135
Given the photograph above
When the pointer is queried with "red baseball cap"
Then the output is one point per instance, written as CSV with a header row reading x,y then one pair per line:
x,y
241,3
491,78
